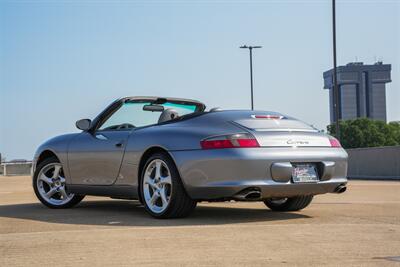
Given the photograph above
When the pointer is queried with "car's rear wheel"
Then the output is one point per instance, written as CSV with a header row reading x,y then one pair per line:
x,y
288,204
162,190
49,185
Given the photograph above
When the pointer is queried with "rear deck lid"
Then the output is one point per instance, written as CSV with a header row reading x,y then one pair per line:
x,y
276,130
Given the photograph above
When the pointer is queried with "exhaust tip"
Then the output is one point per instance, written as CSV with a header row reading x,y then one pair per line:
x,y
253,195
249,194
340,189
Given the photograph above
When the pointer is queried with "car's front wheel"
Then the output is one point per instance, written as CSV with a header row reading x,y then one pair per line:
x,y
162,190
288,204
49,185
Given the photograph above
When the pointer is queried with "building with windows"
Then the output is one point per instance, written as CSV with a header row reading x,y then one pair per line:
x,y
362,90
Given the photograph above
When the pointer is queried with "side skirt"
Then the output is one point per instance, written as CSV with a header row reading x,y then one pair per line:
x,y
114,191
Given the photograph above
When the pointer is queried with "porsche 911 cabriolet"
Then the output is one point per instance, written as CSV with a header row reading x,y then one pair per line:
x,y
170,154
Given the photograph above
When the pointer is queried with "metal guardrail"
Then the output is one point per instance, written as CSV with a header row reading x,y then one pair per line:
x,y
15,168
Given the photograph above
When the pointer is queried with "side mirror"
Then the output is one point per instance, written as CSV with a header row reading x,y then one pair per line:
x,y
83,124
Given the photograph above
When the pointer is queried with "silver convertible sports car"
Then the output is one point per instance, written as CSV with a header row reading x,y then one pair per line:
x,y
170,153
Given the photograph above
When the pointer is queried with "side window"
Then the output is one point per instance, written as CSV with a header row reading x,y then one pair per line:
x,y
128,116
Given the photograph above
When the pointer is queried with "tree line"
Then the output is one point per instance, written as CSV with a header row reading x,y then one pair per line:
x,y
364,132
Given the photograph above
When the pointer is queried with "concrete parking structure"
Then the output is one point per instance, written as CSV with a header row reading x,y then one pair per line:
x,y
360,227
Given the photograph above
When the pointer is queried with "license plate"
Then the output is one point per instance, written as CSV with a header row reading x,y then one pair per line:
x,y
305,173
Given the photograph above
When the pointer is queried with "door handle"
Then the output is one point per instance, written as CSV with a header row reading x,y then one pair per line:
x,y
119,144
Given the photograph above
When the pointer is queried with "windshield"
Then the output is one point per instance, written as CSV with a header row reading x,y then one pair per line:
x,y
131,115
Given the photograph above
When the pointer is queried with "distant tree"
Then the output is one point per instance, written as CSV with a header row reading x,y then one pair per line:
x,y
394,127
364,132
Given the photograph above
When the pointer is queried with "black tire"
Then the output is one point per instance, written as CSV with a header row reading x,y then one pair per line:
x,y
74,200
290,204
180,204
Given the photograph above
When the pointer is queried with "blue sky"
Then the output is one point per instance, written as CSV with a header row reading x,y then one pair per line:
x,y
65,60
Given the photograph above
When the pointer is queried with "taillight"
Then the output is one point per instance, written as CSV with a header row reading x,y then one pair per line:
x,y
334,142
229,141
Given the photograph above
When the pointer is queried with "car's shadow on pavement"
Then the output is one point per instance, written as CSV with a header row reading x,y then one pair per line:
x,y
132,213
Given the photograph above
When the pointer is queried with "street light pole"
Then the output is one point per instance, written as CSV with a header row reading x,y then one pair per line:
x,y
251,70
251,77
335,83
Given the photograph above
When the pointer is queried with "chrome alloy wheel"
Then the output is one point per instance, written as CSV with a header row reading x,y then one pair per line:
x,y
157,186
51,184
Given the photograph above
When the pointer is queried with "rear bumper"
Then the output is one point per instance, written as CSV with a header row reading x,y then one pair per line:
x,y
268,189
222,173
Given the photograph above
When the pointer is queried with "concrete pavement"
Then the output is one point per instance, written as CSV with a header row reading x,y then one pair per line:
x,y
358,228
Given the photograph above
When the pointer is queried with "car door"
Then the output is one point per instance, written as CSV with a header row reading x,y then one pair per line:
x,y
95,158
